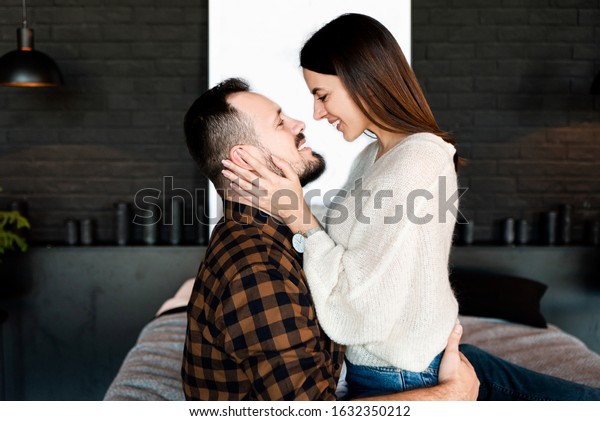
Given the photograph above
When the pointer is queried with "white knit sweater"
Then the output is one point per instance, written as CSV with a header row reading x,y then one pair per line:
x,y
379,275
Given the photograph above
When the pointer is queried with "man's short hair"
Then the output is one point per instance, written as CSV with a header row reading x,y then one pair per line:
x,y
212,127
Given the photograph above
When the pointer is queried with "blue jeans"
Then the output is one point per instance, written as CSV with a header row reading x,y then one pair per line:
x,y
364,381
499,380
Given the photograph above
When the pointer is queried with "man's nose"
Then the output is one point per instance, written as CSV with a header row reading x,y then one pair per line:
x,y
297,126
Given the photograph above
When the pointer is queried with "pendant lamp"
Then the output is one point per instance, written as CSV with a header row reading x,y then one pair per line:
x,y
25,66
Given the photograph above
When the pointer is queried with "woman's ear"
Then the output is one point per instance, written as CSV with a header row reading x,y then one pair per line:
x,y
236,159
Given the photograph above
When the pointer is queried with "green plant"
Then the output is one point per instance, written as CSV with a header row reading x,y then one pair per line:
x,y
9,237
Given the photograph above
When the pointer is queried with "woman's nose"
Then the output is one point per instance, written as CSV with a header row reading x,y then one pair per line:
x,y
319,110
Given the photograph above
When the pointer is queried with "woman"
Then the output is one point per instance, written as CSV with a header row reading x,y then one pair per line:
x,y
379,276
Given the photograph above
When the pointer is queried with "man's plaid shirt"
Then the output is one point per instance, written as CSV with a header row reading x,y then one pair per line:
x,y
252,329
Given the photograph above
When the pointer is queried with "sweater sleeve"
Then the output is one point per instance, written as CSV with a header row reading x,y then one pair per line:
x,y
360,288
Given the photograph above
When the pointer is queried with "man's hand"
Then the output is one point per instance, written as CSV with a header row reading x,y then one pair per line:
x,y
456,377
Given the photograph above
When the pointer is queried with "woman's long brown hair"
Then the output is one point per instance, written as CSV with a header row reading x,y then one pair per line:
x,y
370,63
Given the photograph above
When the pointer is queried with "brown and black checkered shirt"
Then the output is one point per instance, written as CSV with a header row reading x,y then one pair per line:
x,y
252,328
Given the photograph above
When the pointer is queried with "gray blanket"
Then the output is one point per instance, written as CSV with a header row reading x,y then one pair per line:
x,y
151,370
549,351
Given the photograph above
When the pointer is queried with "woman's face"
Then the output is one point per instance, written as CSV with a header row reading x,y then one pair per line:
x,y
332,101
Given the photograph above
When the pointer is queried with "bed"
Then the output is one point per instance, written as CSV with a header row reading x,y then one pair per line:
x,y
151,369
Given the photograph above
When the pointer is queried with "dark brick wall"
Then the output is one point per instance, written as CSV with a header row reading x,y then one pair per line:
x,y
131,69
510,79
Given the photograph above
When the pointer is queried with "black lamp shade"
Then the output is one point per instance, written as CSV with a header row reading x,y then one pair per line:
x,y
27,67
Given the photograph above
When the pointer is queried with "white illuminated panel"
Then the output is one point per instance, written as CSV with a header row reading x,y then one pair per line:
x,y
260,41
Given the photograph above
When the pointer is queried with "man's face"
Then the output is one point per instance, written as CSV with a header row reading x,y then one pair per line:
x,y
279,135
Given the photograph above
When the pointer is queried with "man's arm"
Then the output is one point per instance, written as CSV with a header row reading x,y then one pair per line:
x,y
456,379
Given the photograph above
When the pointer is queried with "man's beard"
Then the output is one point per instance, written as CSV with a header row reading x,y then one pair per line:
x,y
312,169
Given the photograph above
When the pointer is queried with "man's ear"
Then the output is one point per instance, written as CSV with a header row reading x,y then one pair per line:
x,y
236,159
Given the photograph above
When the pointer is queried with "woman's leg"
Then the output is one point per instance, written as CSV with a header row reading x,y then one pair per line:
x,y
503,380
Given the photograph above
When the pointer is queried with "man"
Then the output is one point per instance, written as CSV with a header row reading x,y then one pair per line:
x,y
252,329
